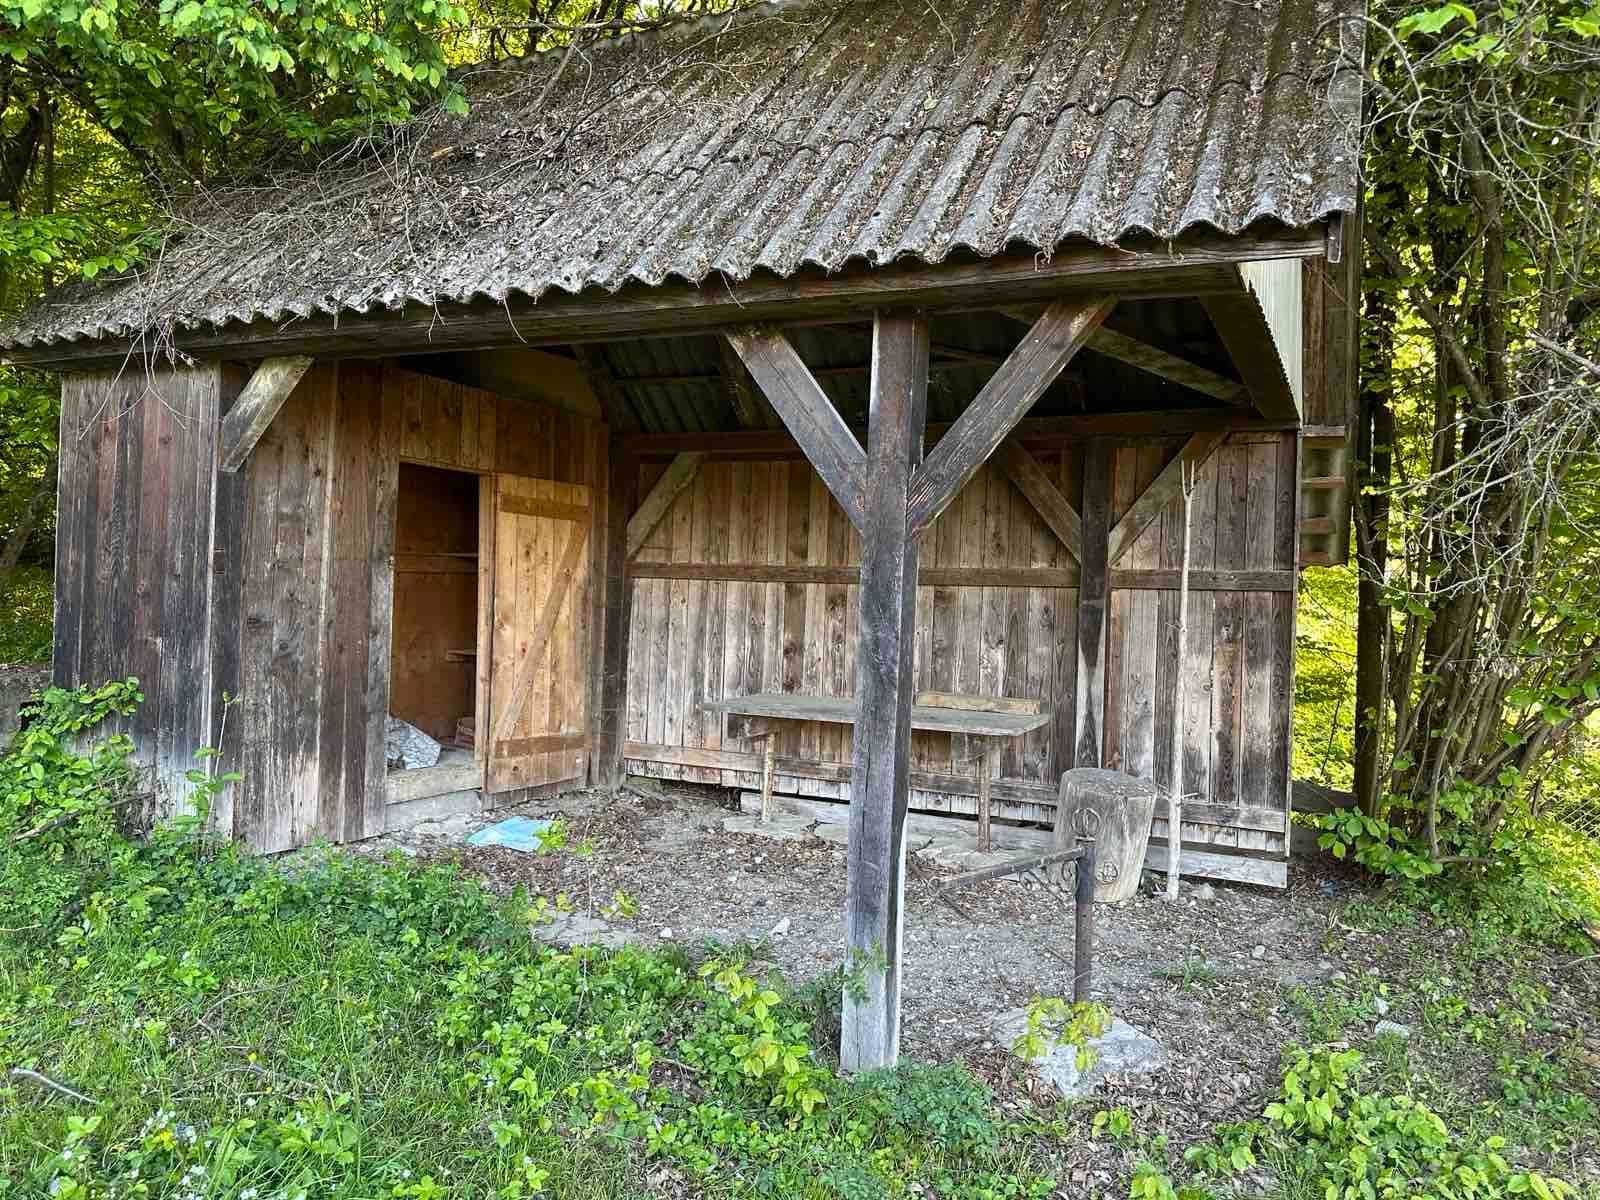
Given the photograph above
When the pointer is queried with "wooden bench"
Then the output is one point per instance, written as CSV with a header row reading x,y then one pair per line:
x,y
986,722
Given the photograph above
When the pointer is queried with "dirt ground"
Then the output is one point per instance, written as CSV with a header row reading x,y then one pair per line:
x,y
1212,978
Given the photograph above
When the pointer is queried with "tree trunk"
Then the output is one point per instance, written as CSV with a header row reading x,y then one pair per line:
x,y
27,522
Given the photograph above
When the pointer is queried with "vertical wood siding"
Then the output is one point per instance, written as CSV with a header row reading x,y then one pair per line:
x,y
133,571
784,619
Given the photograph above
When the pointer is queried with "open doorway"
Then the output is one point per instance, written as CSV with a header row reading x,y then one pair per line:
x,y
433,669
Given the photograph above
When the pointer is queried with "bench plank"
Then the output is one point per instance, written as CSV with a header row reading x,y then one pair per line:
x,y
841,710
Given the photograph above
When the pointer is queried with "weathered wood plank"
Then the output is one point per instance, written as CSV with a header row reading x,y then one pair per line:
x,y
807,412
1089,741
262,399
1031,368
679,475
1166,487
1041,492
881,764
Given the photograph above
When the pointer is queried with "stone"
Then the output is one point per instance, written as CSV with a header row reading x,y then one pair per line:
x,y
780,930
1122,1050
1258,953
1392,1028
838,835
666,934
17,686
1380,1006
577,929
779,828
1203,891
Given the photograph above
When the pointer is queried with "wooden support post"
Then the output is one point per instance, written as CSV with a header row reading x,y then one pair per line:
x,y
1175,790
1094,596
881,766
769,758
988,768
624,482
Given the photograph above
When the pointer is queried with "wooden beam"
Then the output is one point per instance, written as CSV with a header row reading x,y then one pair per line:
x,y
885,690
1151,579
1005,399
1160,362
1146,356
614,401
679,474
257,405
1094,598
810,416
759,444
1242,326
1041,492
750,407
624,483
1165,488
1189,266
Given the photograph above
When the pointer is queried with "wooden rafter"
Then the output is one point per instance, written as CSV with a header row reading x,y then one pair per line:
x,y
1031,368
260,401
805,408
603,381
1146,356
1165,488
679,474
1054,509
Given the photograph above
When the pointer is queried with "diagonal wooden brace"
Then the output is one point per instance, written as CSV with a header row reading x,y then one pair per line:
x,y
1029,369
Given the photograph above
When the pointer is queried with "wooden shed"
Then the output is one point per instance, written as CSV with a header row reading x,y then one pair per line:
x,y
829,351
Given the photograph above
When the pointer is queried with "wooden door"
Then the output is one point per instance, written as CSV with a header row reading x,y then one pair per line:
x,y
537,702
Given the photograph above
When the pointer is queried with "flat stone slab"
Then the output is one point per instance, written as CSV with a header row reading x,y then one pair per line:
x,y
780,828
1121,1050
576,929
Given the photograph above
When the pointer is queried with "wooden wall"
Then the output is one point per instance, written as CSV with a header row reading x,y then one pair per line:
x,y
307,581
748,584
133,551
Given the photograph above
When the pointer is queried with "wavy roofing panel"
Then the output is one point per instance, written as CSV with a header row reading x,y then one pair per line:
x,y
822,133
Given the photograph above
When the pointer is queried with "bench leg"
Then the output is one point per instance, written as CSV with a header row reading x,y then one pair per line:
x,y
988,766
769,754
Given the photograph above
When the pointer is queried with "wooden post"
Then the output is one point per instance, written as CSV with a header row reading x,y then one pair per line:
x,y
624,483
1093,600
874,897
769,754
1175,803
988,767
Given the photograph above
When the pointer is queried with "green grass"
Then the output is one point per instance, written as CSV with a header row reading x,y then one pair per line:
x,y
25,616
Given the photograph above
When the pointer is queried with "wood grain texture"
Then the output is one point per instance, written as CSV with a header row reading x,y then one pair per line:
x,y
1004,400
1159,495
1036,485
679,474
807,412
881,763
257,405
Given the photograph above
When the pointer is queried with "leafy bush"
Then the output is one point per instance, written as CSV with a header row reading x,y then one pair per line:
x,y
1336,1139
1525,877
26,616
353,1028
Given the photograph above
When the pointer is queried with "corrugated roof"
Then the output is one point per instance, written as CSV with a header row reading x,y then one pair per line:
x,y
824,133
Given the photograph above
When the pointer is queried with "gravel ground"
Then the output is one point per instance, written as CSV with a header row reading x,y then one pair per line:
x,y
1213,978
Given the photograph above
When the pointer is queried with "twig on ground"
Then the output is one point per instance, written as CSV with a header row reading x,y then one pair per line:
x,y
46,1082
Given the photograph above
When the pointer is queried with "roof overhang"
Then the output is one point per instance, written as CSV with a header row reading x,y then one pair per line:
x,y
1208,268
